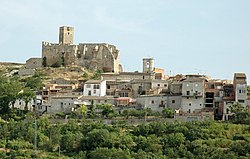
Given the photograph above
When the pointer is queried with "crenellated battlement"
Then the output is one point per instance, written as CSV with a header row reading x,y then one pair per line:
x,y
101,56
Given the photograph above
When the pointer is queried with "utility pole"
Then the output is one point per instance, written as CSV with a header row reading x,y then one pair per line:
x,y
35,136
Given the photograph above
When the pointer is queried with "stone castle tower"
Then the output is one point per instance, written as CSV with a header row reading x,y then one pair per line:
x,y
66,35
148,65
101,56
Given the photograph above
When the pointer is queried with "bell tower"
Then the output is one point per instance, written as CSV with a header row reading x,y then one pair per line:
x,y
66,35
148,65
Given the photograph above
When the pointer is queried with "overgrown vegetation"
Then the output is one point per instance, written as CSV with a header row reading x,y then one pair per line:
x,y
96,140
241,115
97,75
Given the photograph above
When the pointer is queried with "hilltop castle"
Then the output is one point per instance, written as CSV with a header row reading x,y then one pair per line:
x,y
101,56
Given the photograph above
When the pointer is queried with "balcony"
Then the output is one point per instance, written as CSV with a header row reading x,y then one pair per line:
x,y
198,94
210,90
231,98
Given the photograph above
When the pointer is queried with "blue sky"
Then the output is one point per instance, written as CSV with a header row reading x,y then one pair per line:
x,y
184,36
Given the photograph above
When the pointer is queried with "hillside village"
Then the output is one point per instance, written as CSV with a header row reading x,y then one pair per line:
x,y
91,74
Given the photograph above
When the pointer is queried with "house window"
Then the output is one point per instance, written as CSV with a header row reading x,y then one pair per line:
x,y
125,94
143,77
61,105
94,91
187,97
108,86
158,85
196,97
89,93
165,85
152,102
189,110
190,104
188,92
96,86
162,104
173,101
241,101
88,86
240,91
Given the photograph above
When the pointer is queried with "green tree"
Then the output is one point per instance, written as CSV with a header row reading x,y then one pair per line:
x,y
82,111
35,82
107,109
173,140
104,153
71,142
85,75
9,92
168,113
95,138
97,75
92,110
241,114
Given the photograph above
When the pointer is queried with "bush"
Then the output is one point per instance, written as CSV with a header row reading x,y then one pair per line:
x,y
18,144
168,113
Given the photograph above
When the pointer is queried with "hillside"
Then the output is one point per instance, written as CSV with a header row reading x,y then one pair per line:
x,y
50,73
7,68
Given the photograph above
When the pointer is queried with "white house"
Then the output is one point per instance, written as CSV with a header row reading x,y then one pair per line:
x,y
20,104
95,88
192,94
159,102
240,88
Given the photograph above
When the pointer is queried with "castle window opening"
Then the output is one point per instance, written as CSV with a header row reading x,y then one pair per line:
x,y
147,65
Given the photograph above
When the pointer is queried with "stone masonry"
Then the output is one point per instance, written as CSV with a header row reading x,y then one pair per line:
x,y
101,56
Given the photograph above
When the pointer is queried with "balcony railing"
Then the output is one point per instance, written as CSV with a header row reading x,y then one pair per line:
x,y
198,94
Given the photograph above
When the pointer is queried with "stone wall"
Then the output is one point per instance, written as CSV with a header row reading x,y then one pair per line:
x,y
26,72
98,56
33,63
62,54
